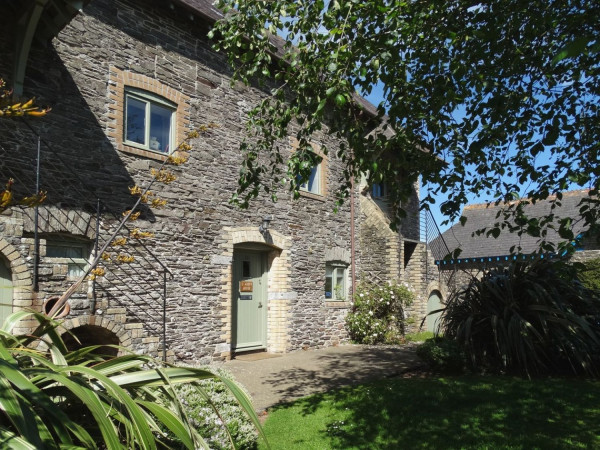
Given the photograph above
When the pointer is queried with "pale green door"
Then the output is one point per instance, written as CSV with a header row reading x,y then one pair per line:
x,y
6,291
433,320
249,301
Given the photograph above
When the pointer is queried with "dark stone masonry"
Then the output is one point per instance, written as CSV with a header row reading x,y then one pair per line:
x,y
160,56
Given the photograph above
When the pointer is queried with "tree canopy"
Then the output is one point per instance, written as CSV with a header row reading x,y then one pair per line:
x,y
494,98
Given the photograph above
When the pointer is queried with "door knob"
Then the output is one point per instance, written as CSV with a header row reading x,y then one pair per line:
x,y
260,304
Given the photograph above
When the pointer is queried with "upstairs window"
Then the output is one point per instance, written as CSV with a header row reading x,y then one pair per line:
x,y
313,184
378,190
335,281
149,121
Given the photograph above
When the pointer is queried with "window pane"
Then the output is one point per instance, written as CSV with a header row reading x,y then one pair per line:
x,y
160,128
136,121
313,181
245,269
63,251
76,270
328,282
339,284
378,190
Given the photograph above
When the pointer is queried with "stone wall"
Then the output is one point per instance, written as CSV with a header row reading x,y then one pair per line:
x,y
75,75
391,256
81,75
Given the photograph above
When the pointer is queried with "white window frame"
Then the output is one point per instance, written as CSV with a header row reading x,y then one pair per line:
x,y
75,266
337,266
149,98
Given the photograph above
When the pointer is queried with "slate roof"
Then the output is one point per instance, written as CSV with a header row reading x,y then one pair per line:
x,y
484,216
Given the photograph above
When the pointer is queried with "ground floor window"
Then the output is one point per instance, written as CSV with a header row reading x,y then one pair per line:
x,y
335,281
72,252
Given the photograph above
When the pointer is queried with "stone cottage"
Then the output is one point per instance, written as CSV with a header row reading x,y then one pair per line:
x,y
127,80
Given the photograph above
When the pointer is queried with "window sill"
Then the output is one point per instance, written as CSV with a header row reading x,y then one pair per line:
x,y
337,304
141,152
306,194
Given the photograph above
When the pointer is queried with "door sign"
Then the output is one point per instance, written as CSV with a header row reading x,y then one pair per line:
x,y
246,286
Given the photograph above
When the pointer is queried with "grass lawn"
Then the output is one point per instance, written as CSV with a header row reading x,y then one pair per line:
x,y
470,412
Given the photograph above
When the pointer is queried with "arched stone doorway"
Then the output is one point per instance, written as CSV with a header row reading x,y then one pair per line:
x,y
434,303
88,335
6,290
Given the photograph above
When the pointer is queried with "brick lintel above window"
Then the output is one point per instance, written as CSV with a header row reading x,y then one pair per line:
x,y
154,97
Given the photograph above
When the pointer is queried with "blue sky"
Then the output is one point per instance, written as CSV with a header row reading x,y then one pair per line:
x,y
375,97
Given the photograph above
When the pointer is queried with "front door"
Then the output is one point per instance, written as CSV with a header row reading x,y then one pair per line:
x,y
249,301
6,291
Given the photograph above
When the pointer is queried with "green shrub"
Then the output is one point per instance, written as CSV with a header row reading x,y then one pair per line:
x,y
378,313
590,275
214,407
532,319
442,354
55,398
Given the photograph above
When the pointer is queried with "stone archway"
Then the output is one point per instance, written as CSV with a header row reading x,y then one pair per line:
x,y
95,330
21,281
6,290
91,335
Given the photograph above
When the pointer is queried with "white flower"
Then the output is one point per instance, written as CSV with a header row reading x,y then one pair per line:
x,y
362,295
370,313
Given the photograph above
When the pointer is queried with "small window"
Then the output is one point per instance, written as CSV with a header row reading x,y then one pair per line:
x,y
335,281
74,254
246,269
313,184
149,121
378,190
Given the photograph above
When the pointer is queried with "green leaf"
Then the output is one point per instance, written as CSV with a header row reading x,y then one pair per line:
x,y
322,104
139,427
150,378
573,49
171,421
100,410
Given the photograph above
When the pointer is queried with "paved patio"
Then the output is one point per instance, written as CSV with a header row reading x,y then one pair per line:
x,y
275,379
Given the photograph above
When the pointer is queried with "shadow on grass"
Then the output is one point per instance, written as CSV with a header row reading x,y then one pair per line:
x,y
444,413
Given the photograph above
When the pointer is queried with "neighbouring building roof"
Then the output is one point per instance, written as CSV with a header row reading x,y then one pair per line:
x,y
484,215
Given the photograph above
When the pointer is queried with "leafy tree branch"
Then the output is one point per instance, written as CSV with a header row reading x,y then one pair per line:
x,y
497,99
